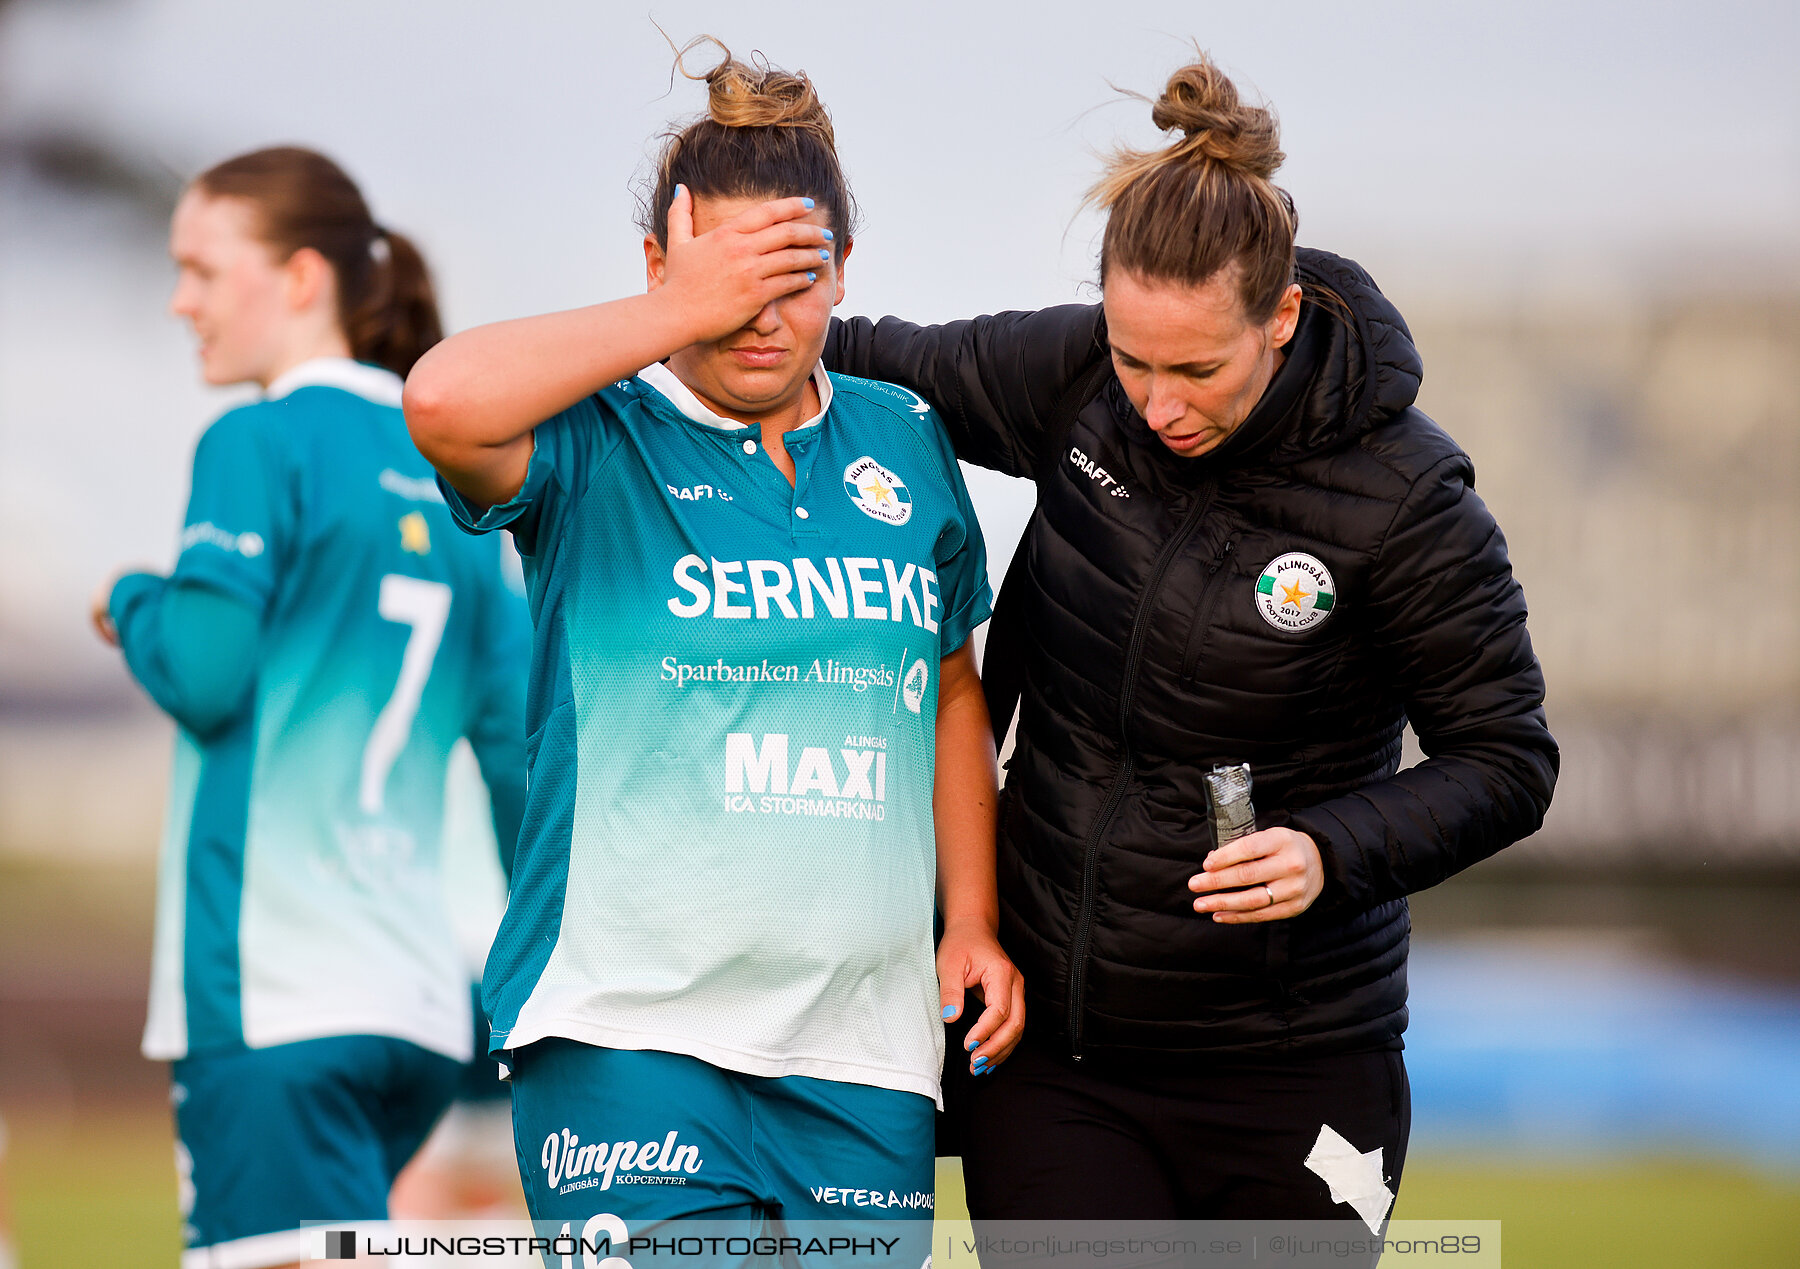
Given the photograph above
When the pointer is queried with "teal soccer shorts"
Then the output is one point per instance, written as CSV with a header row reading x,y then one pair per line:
x,y
310,1131
646,1137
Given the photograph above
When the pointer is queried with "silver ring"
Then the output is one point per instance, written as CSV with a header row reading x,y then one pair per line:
x,y
1270,893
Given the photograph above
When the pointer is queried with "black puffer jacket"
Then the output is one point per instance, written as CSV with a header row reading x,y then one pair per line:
x,y
1148,659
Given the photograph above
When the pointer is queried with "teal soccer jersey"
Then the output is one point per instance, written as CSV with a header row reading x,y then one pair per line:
x,y
728,848
300,893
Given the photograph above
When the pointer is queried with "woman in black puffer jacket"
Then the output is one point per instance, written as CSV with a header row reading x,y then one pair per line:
x,y
1249,547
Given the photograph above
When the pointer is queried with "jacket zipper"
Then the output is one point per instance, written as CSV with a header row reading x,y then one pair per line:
x,y
1134,656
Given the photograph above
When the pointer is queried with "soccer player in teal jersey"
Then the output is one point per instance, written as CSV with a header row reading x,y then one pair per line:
x,y
758,740
325,638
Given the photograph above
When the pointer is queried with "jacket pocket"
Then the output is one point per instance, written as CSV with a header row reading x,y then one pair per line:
x,y
1218,579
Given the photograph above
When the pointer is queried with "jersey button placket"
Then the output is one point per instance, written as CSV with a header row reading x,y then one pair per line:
x,y
802,520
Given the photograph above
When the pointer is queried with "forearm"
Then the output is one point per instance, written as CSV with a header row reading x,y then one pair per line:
x,y
1423,825
472,401
964,799
193,649
1447,618
995,381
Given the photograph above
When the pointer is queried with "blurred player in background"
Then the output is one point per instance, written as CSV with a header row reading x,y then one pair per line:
x,y
324,640
466,1170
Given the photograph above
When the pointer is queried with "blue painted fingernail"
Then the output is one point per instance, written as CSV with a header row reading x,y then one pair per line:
x,y
981,1059
824,255
973,1043
949,1011
829,235
808,202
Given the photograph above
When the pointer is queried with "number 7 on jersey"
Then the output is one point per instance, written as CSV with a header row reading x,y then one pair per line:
x,y
425,606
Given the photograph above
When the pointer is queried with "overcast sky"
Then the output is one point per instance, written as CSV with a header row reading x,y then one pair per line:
x,y
1475,147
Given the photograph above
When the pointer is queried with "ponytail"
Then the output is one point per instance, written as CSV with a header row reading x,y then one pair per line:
x,y
398,317
387,306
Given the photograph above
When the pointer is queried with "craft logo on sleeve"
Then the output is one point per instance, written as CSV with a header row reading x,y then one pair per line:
x,y
1295,592
879,493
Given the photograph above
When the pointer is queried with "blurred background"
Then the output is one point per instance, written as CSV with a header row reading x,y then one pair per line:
x,y
1590,212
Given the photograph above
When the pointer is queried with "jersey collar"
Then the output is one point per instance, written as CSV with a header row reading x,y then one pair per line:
x,y
692,407
372,383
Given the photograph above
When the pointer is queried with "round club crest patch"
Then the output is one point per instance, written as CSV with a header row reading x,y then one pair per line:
x,y
877,492
1295,592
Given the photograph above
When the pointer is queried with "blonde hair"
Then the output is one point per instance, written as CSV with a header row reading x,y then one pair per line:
x,y
1205,202
765,134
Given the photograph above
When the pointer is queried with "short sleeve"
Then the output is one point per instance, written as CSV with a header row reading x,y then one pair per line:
x,y
565,450
961,557
238,515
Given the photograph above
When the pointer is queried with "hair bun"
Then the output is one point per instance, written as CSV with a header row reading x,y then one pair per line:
x,y
756,95
743,96
765,134
1203,103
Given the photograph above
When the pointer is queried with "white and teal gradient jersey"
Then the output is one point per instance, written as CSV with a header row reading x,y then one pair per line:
x,y
300,893
728,848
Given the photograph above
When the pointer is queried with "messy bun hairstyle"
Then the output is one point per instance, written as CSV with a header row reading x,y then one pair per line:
x,y
386,305
765,134
1204,202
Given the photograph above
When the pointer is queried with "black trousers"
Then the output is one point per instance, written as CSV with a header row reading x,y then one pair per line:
x,y
1224,1139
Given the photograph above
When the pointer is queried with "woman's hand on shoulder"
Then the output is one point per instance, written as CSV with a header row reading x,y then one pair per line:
x,y
723,278
970,962
1264,876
